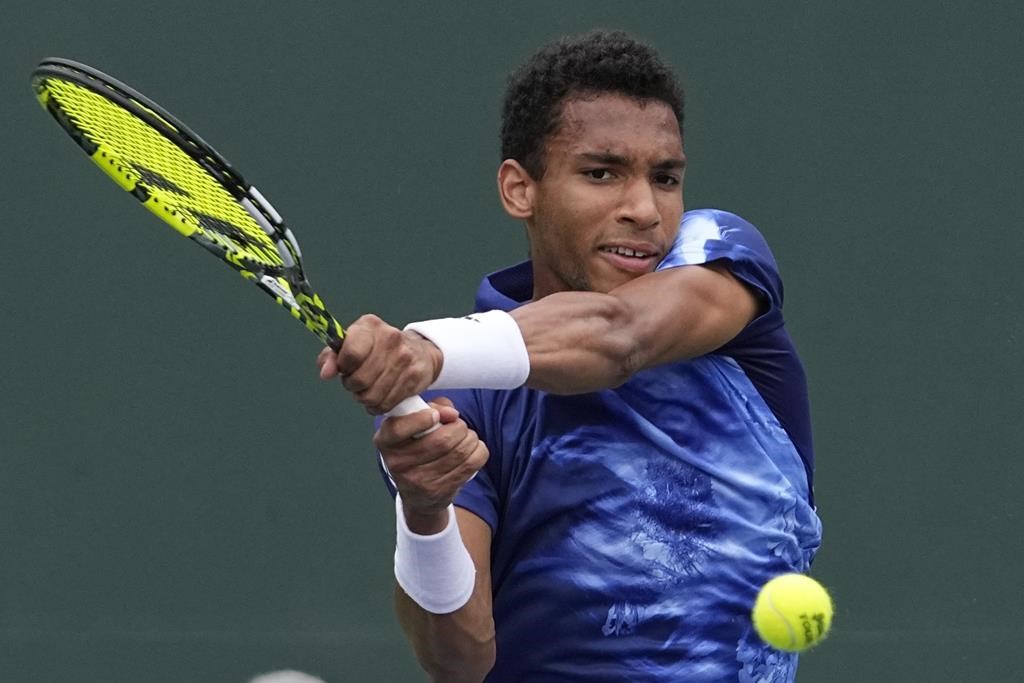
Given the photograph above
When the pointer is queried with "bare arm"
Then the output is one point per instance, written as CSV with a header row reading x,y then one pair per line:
x,y
428,471
458,646
586,341
576,341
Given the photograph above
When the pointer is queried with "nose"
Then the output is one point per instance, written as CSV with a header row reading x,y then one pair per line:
x,y
639,205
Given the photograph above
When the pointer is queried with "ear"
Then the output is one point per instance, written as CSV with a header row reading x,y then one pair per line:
x,y
516,189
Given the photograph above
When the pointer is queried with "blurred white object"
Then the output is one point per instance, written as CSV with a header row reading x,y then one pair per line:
x,y
286,677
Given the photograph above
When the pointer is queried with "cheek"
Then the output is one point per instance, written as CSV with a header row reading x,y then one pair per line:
x,y
671,210
587,209
565,221
552,233
571,214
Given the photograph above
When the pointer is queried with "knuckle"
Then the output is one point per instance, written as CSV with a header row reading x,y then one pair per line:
x,y
402,355
351,357
475,462
468,443
482,454
460,428
401,472
418,484
451,440
356,385
367,400
367,320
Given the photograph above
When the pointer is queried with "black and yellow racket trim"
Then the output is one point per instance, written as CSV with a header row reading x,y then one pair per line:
x,y
246,231
146,109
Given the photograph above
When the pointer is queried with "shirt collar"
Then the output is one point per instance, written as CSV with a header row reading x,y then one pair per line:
x,y
506,289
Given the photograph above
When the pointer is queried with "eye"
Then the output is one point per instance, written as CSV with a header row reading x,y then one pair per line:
x,y
599,174
666,179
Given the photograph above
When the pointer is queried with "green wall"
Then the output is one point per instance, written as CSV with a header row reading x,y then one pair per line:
x,y
159,523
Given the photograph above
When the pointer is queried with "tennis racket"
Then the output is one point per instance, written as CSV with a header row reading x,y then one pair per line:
x,y
184,181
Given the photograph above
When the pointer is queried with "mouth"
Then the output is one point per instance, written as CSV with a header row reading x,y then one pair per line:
x,y
636,259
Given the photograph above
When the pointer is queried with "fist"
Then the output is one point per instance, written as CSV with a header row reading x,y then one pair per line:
x,y
429,471
380,364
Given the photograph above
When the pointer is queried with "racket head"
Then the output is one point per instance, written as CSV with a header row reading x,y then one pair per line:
x,y
184,181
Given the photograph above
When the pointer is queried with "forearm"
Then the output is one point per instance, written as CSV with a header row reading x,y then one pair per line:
x,y
579,342
452,648
451,627
587,341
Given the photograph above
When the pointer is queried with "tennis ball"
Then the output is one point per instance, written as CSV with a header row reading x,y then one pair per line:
x,y
792,612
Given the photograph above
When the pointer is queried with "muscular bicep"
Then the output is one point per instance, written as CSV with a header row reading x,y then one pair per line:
x,y
587,341
687,312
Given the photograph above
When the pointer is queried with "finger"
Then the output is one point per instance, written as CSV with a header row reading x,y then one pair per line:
x,y
466,445
449,413
354,352
402,428
387,389
407,451
459,466
400,372
481,454
363,384
365,381
327,362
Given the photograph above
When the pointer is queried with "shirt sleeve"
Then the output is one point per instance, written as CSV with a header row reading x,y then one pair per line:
x,y
708,235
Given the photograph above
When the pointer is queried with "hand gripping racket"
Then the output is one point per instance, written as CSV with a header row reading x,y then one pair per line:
x,y
184,181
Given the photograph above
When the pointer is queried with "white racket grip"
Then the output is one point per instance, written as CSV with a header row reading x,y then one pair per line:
x,y
412,404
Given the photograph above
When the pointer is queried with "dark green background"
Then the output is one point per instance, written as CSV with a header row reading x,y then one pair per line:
x,y
182,500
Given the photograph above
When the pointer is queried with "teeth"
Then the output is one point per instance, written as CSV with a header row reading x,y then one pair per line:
x,y
625,251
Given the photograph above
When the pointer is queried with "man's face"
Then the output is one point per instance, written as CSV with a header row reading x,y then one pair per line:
x,y
609,203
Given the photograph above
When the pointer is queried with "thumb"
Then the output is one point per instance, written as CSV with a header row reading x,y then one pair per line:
x,y
445,408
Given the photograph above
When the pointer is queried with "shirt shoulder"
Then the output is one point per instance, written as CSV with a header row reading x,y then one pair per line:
x,y
707,235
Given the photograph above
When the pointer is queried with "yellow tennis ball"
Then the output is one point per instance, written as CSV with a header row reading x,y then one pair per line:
x,y
792,612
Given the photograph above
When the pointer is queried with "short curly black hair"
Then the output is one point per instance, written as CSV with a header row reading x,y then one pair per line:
x,y
591,63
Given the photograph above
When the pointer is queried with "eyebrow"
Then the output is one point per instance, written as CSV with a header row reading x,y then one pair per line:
x,y
619,160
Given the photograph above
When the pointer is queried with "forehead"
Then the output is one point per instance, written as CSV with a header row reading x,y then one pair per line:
x,y
616,123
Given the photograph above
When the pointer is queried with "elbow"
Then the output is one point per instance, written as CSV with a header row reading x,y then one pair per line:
x,y
581,342
483,663
470,666
622,341
459,647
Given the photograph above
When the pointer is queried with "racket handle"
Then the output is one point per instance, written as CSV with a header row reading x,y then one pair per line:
x,y
411,405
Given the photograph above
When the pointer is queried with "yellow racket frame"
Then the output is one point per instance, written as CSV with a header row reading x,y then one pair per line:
x,y
183,181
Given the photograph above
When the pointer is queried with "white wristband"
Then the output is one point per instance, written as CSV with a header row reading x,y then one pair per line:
x,y
436,571
481,351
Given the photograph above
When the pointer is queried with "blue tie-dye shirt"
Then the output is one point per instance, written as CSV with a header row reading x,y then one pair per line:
x,y
633,526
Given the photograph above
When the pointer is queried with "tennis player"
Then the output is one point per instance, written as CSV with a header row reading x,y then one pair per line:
x,y
624,450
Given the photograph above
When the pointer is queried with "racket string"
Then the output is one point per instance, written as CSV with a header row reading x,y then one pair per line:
x,y
187,185
145,157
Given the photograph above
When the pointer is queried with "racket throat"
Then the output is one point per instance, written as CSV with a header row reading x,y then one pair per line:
x,y
279,290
